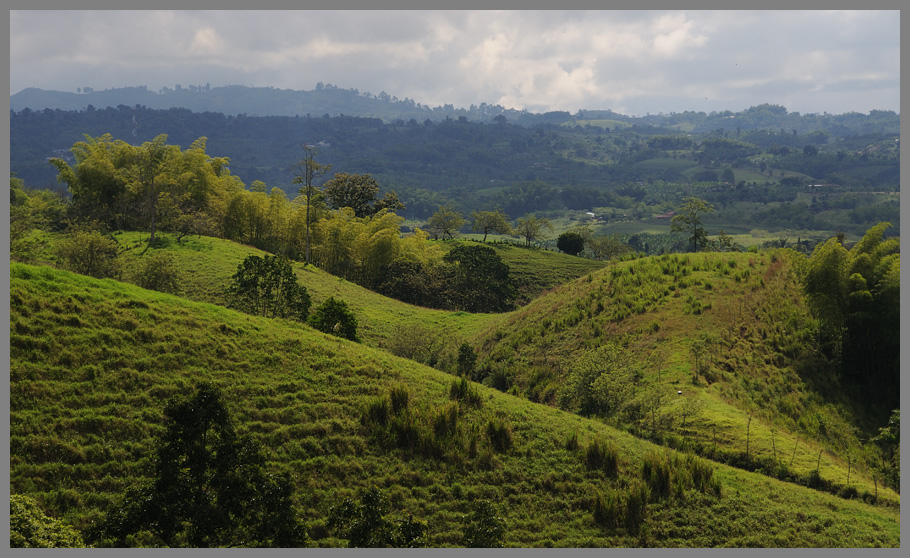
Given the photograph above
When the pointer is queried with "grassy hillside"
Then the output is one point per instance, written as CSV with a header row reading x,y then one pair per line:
x,y
207,265
760,394
93,363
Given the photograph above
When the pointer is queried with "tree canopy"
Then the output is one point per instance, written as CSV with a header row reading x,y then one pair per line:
x,y
689,219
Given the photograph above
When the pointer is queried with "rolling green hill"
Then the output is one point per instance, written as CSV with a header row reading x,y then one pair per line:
x,y
94,361
760,390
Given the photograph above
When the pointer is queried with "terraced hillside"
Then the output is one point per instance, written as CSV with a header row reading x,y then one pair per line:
x,y
94,362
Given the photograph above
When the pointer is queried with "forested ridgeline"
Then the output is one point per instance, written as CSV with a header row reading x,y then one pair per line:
x,y
574,165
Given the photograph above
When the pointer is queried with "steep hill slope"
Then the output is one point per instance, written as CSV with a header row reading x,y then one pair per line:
x,y
761,398
93,362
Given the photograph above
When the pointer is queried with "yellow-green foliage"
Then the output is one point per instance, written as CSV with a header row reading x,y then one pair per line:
x,y
93,362
30,528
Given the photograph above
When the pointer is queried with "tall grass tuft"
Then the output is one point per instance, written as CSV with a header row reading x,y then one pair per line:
x,y
655,471
462,391
602,457
377,413
500,435
610,509
572,442
636,505
400,397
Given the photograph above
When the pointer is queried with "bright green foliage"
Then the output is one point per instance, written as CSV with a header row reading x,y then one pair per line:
x,y
335,318
689,218
29,210
89,253
365,525
153,186
571,243
481,281
445,222
29,527
210,487
490,221
484,528
266,286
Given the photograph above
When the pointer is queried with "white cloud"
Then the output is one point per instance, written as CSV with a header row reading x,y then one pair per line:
x,y
547,60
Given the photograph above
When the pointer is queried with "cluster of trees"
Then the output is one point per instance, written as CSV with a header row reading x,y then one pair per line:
x,y
343,227
855,294
469,278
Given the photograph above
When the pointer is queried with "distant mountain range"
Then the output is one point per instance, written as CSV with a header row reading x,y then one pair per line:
x,y
327,99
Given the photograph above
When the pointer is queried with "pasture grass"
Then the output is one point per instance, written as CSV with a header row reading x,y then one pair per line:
x,y
93,363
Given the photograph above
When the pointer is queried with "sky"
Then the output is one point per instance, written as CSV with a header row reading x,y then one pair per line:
x,y
632,62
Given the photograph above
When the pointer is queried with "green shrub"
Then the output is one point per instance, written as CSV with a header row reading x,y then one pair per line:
x,y
335,318
158,272
467,359
267,287
89,253
29,527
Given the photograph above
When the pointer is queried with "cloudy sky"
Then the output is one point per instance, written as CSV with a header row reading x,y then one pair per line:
x,y
632,62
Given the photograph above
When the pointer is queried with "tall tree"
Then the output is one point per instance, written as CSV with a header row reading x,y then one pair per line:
x,y
446,222
855,294
481,281
571,243
490,221
266,286
689,219
147,174
306,170
532,228
359,192
210,486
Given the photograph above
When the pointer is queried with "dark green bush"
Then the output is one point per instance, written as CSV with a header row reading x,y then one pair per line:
x,y
335,318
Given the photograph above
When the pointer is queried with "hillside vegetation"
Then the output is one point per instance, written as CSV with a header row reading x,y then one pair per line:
x,y
762,396
93,363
